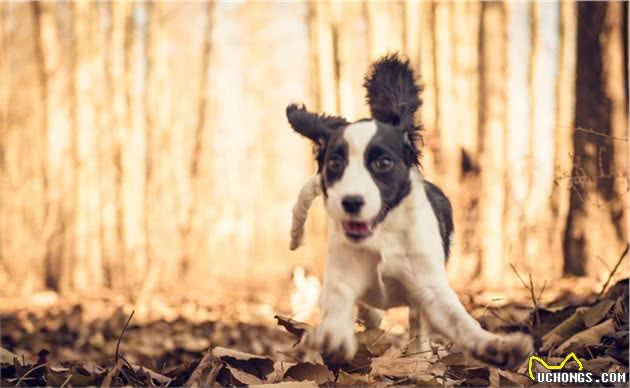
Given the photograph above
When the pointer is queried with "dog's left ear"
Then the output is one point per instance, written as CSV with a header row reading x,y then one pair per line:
x,y
316,127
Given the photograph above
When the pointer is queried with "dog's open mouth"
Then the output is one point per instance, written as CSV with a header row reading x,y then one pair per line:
x,y
357,230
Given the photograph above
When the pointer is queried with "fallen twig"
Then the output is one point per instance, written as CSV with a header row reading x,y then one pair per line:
x,y
121,334
25,375
623,255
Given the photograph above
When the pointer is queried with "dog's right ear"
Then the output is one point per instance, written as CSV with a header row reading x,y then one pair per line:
x,y
316,127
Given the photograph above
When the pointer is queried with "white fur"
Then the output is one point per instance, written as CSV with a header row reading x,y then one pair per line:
x,y
402,264
356,179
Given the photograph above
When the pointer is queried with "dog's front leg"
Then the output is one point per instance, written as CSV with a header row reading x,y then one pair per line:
x,y
429,290
346,278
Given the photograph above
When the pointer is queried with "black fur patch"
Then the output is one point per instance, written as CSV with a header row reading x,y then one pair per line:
x,y
444,213
393,184
393,97
336,148
317,127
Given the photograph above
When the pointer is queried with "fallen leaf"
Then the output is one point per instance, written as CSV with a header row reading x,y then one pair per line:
x,y
307,371
352,379
597,313
7,357
591,336
374,341
401,367
566,329
292,326
288,384
250,363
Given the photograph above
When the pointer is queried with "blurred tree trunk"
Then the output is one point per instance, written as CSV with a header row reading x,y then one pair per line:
x,y
565,117
542,146
492,124
601,137
24,219
133,152
518,128
465,23
428,109
57,57
88,80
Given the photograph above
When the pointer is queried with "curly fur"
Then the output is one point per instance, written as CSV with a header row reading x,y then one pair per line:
x,y
393,97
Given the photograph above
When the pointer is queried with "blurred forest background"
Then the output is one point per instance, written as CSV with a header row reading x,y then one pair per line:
x,y
144,146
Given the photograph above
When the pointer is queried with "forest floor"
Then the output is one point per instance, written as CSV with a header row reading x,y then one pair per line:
x,y
100,341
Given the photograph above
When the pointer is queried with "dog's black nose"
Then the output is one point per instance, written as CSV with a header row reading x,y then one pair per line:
x,y
352,203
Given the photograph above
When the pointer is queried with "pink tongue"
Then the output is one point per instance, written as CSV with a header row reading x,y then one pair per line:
x,y
357,227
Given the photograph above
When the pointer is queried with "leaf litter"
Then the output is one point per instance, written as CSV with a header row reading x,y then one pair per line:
x,y
61,347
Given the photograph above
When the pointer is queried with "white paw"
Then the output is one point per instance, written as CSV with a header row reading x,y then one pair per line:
x,y
333,339
505,351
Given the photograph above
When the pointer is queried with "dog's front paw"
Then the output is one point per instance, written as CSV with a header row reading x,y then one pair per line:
x,y
334,340
505,351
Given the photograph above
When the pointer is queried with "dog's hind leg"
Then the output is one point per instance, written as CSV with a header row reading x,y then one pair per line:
x,y
311,189
419,334
371,317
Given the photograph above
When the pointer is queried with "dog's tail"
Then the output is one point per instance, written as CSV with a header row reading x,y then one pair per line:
x,y
311,189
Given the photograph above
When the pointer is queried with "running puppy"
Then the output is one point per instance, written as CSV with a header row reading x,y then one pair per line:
x,y
389,229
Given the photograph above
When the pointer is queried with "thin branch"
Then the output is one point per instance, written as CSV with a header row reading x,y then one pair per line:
x,y
121,334
623,255
592,132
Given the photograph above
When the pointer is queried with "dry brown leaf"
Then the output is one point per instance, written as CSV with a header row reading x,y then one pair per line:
x,y
292,326
249,363
352,379
7,357
599,364
401,367
374,341
597,313
307,371
243,377
287,384
591,336
566,329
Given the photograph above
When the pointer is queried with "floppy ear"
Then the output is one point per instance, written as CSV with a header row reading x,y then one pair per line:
x,y
392,92
316,127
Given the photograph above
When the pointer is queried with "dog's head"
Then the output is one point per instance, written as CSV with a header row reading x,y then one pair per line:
x,y
365,165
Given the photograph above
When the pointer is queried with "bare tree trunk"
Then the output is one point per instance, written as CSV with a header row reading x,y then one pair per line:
x,y
593,195
465,23
518,129
492,124
176,37
449,155
543,88
427,75
617,88
57,57
90,99
352,54
274,162
23,211
134,145
564,129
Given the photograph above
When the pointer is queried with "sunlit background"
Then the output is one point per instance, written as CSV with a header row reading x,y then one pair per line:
x,y
144,146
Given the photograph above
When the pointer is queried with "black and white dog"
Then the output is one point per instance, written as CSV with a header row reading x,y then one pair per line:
x,y
389,229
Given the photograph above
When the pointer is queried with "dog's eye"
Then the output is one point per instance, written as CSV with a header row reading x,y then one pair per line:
x,y
384,163
334,164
